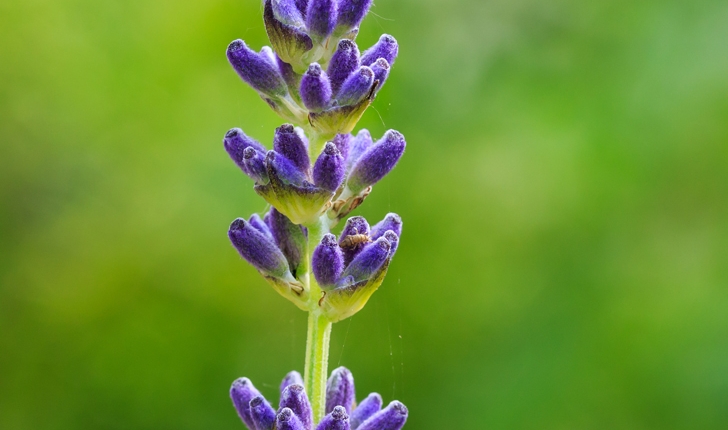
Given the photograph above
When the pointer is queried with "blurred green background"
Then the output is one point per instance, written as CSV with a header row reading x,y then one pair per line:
x,y
564,191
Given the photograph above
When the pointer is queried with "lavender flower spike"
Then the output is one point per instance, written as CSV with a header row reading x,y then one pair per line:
x,y
315,88
241,393
262,414
320,18
259,250
287,420
337,419
356,87
340,390
256,70
330,168
351,13
392,417
294,398
343,63
386,48
365,409
369,261
327,262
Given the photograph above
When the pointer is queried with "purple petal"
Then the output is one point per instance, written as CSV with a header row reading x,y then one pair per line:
x,y
260,225
340,390
263,415
355,226
356,87
287,12
257,249
359,145
337,419
365,409
381,72
255,69
343,63
315,88
321,18
393,240
254,163
291,378
289,237
330,168
368,261
287,420
302,6
377,161
386,48
284,168
392,417
291,143
241,393
352,12
342,142
391,221
235,142
327,261
294,398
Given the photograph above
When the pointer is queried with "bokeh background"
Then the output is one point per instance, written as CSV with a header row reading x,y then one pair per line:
x,y
564,191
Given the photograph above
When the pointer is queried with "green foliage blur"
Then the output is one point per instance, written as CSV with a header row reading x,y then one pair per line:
x,y
564,263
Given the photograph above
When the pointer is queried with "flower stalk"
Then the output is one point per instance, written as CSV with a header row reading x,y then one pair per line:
x,y
314,176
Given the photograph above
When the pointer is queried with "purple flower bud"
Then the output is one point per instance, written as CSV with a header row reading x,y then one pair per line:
x,y
327,261
377,161
321,18
241,393
258,250
343,63
256,69
291,378
287,420
295,399
315,89
381,71
393,240
329,170
365,409
292,144
262,413
391,221
254,163
302,6
289,237
342,142
337,419
392,417
355,227
235,142
289,42
368,261
386,48
352,12
356,87
359,145
260,225
287,12
340,390
284,168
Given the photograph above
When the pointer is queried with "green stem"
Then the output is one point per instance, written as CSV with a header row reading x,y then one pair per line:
x,y
319,332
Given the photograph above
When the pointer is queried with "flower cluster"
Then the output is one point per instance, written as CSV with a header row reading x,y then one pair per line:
x,y
316,75
314,176
294,410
